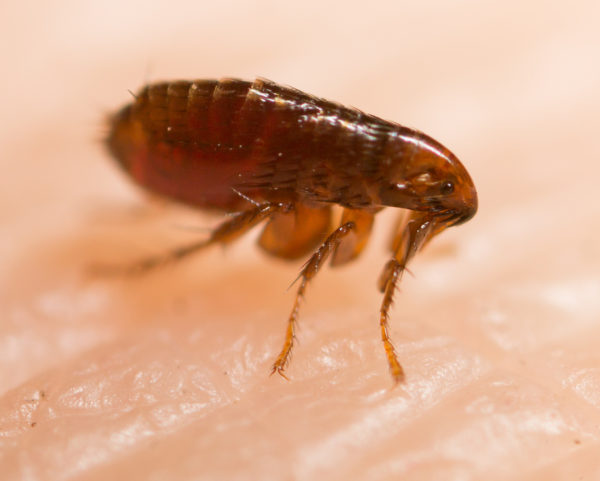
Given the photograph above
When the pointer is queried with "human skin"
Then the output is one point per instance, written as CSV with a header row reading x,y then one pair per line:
x,y
167,376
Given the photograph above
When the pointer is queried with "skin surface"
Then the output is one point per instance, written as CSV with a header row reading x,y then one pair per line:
x,y
166,377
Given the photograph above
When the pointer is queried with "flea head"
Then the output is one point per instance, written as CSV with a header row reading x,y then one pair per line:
x,y
425,176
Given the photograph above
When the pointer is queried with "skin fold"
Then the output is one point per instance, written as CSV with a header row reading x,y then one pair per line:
x,y
166,376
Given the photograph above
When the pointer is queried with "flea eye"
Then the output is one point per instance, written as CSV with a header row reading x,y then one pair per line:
x,y
447,188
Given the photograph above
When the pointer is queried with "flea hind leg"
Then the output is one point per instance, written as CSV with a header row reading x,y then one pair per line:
x,y
228,231
308,272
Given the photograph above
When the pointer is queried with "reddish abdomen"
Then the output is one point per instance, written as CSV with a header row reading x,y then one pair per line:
x,y
196,142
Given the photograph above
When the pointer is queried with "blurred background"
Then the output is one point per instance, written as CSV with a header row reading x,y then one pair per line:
x,y
511,87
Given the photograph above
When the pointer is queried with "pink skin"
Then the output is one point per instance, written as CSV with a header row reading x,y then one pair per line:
x,y
166,377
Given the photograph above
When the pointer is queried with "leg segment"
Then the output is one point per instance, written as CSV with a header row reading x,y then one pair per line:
x,y
308,272
353,244
294,234
228,231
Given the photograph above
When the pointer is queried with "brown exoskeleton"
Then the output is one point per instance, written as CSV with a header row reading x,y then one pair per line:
x,y
275,154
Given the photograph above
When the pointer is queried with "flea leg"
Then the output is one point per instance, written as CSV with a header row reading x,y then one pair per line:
x,y
308,272
413,234
392,274
228,231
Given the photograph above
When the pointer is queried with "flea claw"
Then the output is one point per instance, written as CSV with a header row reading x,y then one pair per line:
x,y
279,370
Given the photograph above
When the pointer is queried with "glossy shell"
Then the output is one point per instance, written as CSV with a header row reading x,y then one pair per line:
x,y
200,142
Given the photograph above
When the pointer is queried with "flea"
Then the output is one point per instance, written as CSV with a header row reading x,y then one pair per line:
x,y
272,154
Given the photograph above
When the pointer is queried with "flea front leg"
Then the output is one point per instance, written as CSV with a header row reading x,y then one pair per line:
x,y
308,272
412,236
